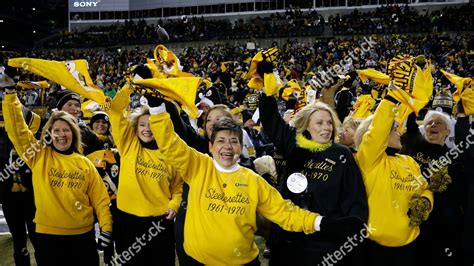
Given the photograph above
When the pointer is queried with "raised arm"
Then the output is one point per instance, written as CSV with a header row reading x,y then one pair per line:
x,y
412,136
185,131
327,95
23,139
186,160
121,128
281,134
375,140
464,134
412,126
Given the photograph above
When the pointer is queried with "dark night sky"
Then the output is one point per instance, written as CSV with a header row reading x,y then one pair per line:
x,y
22,22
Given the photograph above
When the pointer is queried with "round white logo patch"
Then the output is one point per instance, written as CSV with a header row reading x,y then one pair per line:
x,y
297,183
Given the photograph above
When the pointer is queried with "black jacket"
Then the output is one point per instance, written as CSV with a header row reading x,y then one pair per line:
x,y
335,185
447,204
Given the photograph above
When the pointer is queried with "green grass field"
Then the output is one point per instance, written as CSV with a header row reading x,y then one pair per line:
x,y
6,251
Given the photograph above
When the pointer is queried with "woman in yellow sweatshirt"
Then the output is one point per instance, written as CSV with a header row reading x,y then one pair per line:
x,y
396,190
68,190
149,191
224,197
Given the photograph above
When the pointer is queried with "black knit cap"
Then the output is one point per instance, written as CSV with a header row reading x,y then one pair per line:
x,y
99,115
65,95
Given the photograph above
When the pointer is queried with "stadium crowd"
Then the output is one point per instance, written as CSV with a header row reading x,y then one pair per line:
x,y
448,52
309,141
293,23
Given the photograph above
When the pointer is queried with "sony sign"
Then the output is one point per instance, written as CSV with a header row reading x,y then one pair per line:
x,y
85,4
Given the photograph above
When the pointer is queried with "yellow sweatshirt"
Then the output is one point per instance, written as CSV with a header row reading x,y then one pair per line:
x,y
390,182
148,186
67,188
222,204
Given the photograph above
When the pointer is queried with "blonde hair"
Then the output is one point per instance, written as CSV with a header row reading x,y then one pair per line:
x,y
302,118
71,121
361,130
135,115
352,122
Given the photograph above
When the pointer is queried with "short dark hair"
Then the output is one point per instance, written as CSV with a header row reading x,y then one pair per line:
x,y
227,123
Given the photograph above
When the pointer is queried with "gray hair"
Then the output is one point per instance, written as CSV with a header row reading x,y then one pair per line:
x,y
432,114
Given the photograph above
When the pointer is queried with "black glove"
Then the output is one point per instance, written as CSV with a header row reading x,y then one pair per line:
x,y
104,240
264,67
143,71
154,101
342,227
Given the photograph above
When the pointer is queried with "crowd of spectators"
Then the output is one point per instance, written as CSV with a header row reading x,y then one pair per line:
x,y
292,23
402,19
299,60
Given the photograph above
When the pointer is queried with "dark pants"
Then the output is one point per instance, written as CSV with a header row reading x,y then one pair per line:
x,y
109,252
288,253
193,262
391,256
183,258
80,250
19,210
143,240
468,230
439,245
289,248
